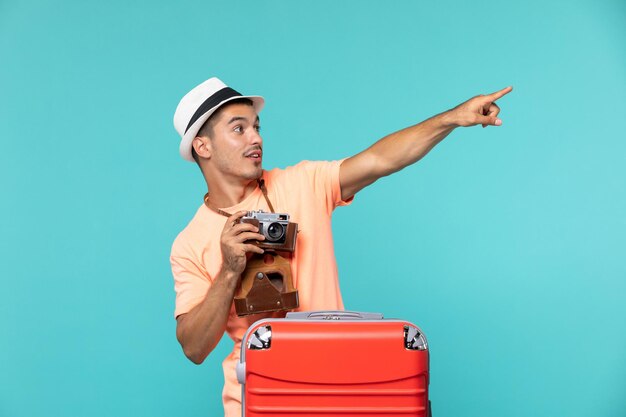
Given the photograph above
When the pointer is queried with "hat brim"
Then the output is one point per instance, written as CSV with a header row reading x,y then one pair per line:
x,y
185,144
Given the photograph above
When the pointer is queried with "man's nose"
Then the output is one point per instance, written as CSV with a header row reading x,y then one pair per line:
x,y
256,138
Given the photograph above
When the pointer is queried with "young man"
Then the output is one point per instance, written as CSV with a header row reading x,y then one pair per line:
x,y
220,131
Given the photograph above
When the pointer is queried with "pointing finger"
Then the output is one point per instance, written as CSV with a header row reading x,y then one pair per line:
x,y
498,94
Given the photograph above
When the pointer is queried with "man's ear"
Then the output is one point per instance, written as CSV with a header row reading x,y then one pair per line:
x,y
202,146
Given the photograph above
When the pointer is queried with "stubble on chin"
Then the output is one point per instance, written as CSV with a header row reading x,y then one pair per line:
x,y
258,173
254,174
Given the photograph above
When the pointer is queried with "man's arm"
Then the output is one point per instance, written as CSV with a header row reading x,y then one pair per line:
x,y
407,146
199,330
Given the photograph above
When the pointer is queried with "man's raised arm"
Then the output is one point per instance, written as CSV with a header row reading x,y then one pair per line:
x,y
407,146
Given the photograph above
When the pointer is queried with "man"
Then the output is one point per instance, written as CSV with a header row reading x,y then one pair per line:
x,y
220,131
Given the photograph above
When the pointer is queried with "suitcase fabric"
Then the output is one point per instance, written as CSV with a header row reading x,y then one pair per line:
x,y
334,363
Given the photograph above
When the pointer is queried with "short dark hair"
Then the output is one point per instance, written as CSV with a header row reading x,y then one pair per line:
x,y
206,130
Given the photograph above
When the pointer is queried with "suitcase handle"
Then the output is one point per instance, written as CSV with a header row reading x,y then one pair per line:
x,y
333,315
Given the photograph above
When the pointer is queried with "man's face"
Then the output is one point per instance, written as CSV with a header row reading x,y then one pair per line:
x,y
236,146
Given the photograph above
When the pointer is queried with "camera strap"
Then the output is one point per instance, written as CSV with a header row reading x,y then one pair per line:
x,y
260,182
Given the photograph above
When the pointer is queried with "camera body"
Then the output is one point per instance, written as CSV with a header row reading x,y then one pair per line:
x,y
280,234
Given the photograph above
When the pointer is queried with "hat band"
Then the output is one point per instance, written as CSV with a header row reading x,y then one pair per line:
x,y
219,96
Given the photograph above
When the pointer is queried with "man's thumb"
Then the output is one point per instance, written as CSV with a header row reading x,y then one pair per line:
x,y
490,121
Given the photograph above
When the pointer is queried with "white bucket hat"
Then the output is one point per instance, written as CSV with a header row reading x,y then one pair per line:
x,y
198,105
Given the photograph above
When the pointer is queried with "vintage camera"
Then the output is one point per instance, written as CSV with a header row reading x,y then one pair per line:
x,y
280,233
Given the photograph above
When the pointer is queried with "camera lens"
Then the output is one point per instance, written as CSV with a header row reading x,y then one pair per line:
x,y
275,231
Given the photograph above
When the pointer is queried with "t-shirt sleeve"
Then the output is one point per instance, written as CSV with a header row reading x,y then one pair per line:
x,y
191,283
324,177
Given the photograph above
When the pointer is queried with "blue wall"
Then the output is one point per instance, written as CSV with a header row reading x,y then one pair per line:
x,y
507,245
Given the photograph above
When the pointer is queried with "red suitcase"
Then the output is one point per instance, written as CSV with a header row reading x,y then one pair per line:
x,y
334,363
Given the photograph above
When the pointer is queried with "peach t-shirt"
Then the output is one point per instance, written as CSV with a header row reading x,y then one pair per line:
x,y
308,192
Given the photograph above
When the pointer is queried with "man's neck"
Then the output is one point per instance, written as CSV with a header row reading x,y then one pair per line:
x,y
227,195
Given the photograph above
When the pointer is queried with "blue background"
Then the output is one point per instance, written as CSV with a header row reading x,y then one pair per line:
x,y
506,245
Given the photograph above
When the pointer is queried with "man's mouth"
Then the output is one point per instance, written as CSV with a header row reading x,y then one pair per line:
x,y
255,155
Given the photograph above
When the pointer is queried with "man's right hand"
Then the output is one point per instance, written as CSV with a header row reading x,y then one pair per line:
x,y
234,248
199,330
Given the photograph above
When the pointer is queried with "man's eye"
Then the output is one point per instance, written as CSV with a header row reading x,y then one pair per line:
x,y
257,128
238,129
